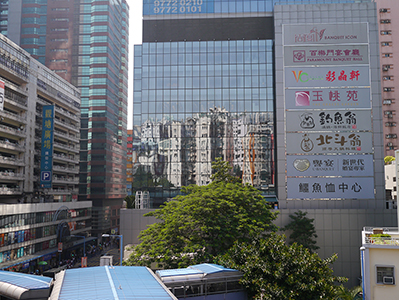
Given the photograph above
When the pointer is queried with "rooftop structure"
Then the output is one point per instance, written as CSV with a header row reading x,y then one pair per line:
x,y
380,263
203,280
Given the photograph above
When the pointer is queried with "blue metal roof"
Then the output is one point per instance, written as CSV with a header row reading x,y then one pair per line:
x,y
109,282
195,269
211,268
26,281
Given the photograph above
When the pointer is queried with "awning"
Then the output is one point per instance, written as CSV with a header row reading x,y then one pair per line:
x,y
27,258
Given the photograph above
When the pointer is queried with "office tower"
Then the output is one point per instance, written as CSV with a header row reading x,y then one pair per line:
x,y
388,55
287,91
86,42
205,88
39,123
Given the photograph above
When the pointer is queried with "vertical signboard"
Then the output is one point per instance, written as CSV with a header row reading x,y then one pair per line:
x,y
1,95
329,142
46,166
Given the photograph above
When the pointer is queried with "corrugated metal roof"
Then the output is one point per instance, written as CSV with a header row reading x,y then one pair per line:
x,y
202,269
211,268
109,282
26,281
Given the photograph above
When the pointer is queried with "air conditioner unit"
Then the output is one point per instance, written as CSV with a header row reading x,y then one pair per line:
x,y
385,68
387,280
389,144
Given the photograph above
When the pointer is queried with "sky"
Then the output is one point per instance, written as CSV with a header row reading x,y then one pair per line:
x,y
135,37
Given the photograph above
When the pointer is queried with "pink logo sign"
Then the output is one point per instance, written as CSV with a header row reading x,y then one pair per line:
x,y
302,98
299,56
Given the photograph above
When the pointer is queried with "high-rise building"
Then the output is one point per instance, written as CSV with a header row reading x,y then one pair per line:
x,y
388,56
85,42
287,91
39,123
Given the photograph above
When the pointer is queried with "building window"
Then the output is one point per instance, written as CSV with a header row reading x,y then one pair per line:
x,y
387,67
385,275
394,179
386,32
387,102
385,44
384,10
385,21
389,89
391,136
386,55
387,78
390,124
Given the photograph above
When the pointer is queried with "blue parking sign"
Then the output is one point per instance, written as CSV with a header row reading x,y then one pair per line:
x,y
45,176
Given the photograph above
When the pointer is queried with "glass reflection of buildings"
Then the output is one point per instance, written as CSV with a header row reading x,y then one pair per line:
x,y
196,101
204,88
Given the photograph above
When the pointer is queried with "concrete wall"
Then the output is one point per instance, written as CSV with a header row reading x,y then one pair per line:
x,y
338,230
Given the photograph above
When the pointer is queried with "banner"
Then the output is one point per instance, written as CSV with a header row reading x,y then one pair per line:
x,y
330,165
327,98
329,143
330,188
328,120
46,164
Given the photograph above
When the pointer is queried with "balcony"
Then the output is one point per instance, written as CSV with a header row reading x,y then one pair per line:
x,y
6,144
67,113
10,175
65,158
13,67
65,147
17,132
67,125
63,169
12,116
65,135
4,190
65,180
7,160
59,191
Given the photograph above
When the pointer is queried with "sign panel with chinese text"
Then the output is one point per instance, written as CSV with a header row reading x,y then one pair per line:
x,y
326,55
329,142
306,98
46,164
308,34
330,188
1,95
330,165
330,120
323,77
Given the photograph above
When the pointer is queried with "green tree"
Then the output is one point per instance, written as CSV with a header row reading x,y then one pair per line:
x,y
130,201
355,293
276,271
303,230
389,159
202,223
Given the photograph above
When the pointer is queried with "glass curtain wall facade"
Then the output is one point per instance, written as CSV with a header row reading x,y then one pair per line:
x,y
204,88
101,72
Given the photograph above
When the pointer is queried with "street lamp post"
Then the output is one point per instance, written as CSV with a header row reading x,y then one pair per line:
x,y
121,244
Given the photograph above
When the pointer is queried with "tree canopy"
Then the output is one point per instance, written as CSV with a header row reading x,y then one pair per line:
x,y
389,159
273,270
302,230
202,223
